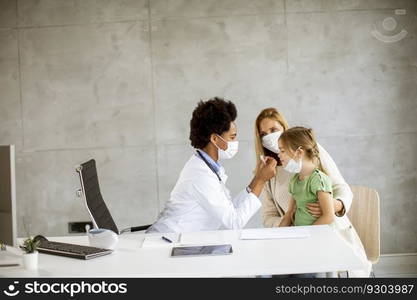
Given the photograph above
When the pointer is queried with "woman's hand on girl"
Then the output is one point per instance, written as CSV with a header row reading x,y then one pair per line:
x,y
315,210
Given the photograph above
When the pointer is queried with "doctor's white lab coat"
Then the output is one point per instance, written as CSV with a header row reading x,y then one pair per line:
x,y
199,201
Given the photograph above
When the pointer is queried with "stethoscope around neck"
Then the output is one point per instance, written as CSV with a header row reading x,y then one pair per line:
x,y
208,165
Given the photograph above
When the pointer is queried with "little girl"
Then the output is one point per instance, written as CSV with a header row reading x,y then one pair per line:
x,y
299,154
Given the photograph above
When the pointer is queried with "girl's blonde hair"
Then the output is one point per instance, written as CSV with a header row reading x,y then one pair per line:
x,y
272,114
297,137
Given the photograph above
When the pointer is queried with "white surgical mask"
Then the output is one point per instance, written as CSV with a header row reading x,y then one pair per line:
x,y
270,141
293,166
232,148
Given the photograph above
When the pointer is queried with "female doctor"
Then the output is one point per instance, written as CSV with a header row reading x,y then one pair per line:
x,y
200,200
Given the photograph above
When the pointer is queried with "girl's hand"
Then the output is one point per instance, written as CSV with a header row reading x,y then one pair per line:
x,y
289,215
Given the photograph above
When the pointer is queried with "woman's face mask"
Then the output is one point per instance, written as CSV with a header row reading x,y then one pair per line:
x,y
270,141
231,150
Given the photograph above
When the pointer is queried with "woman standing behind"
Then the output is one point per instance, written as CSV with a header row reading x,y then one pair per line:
x,y
268,127
275,196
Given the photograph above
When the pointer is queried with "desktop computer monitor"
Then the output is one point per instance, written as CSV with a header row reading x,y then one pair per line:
x,y
8,226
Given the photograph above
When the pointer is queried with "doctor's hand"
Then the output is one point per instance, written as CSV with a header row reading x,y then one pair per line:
x,y
267,170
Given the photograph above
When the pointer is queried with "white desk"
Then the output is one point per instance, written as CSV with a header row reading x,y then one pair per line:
x,y
324,251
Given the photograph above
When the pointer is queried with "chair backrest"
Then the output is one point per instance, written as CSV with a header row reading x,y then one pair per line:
x,y
365,217
94,202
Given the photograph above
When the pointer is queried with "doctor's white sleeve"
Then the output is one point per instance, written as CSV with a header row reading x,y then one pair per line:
x,y
232,214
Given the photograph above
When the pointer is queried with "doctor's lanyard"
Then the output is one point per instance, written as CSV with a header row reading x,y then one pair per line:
x,y
208,165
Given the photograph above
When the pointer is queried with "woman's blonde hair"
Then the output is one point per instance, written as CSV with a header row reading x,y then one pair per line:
x,y
272,114
304,138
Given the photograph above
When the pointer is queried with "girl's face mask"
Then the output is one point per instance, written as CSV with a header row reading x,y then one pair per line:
x,y
294,164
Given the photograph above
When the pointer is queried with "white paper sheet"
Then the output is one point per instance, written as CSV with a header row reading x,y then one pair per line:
x,y
156,240
206,238
275,233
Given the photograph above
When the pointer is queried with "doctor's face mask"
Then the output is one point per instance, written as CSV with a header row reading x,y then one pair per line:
x,y
231,150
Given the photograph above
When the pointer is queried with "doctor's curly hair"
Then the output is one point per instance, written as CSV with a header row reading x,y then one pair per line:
x,y
211,116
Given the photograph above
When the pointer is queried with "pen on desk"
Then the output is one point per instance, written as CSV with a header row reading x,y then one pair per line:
x,y
166,239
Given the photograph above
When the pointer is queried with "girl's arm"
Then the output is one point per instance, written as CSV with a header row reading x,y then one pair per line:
x,y
327,206
287,219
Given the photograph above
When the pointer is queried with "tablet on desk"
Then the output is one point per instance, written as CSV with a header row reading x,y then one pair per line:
x,y
202,250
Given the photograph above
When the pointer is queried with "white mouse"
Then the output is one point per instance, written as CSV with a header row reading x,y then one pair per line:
x,y
103,238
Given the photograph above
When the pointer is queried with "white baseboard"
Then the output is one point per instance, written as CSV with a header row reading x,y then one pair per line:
x,y
396,265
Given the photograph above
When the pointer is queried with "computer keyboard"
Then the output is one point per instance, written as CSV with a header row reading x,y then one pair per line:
x,y
70,250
